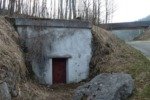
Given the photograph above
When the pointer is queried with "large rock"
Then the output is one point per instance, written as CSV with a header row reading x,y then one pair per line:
x,y
116,86
4,91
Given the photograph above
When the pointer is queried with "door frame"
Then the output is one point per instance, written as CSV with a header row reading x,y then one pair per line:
x,y
66,69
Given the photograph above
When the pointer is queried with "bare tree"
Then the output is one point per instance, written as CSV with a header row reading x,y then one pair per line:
x,y
44,8
106,10
70,9
51,9
66,9
99,12
30,7
0,4
61,9
11,6
54,11
91,10
86,5
4,4
94,9
74,8
109,10
18,6
34,7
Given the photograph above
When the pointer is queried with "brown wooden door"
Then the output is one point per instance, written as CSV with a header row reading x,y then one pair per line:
x,y
59,70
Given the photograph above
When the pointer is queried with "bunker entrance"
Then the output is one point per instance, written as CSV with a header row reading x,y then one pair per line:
x,y
59,70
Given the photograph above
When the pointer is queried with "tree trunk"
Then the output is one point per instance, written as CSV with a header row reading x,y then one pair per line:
x,y
4,4
99,11
66,9
106,11
11,6
74,8
0,4
61,9
54,15
70,9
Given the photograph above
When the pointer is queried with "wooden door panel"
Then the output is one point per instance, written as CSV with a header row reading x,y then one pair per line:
x,y
59,70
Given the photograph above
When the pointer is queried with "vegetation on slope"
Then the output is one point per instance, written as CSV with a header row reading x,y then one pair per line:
x,y
12,64
112,55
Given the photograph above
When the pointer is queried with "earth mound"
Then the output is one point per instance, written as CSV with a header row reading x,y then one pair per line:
x,y
12,64
111,55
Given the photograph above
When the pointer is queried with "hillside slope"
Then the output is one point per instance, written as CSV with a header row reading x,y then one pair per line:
x,y
12,64
112,55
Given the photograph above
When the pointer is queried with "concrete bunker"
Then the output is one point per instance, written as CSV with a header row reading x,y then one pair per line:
x,y
60,50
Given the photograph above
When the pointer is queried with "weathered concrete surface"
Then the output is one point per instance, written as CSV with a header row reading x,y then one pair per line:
x,y
116,86
57,23
71,43
143,46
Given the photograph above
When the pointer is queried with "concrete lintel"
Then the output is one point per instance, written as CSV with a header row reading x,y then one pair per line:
x,y
58,23
60,56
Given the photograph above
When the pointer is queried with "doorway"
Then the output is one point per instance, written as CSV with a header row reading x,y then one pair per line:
x,y
59,70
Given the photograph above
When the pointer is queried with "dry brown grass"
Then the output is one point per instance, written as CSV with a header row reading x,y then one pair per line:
x,y
12,64
11,55
113,55
33,91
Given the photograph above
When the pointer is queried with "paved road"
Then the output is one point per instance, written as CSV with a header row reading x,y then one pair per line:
x,y
143,46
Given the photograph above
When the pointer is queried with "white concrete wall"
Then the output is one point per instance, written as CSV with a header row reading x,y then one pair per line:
x,y
71,43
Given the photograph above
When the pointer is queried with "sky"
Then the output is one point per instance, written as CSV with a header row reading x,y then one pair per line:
x,y
131,10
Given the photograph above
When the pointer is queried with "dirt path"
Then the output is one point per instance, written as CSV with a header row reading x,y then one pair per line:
x,y
33,91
